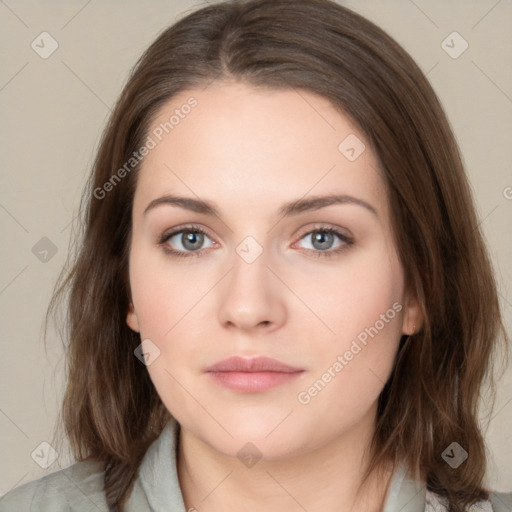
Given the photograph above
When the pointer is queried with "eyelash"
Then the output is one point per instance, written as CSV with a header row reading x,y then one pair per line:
x,y
192,228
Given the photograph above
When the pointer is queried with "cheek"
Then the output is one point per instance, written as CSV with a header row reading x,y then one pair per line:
x,y
169,300
164,307
163,293
365,290
362,304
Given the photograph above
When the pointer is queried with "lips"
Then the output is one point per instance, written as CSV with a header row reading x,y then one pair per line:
x,y
255,375
252,365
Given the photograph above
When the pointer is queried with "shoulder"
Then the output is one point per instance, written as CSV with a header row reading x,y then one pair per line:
x,y
77,487
501,501
497,502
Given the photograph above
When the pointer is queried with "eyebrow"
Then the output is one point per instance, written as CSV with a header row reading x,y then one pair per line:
x,y
288,209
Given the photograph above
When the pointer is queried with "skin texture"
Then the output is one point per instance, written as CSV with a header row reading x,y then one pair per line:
x,y
250,151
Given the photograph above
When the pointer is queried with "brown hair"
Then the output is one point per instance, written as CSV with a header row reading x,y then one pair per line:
x,y
111,410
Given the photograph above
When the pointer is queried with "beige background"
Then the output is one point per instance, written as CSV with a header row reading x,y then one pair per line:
x,y
53,111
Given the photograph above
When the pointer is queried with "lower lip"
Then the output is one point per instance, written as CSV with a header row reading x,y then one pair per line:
x,y
253,382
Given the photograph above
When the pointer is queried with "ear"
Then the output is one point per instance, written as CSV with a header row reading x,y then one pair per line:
x,y
413,316
131,319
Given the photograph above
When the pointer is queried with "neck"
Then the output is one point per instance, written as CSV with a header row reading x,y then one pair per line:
x,y
327,478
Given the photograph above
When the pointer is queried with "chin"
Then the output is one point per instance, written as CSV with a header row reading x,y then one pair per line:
x,y
253,435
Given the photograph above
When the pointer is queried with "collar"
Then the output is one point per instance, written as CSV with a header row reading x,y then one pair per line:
x,y
158,473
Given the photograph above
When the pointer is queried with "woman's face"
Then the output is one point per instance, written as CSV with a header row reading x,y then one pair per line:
x,y
263,281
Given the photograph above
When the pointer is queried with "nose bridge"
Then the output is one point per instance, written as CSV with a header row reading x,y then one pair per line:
x,y
251,295
250,262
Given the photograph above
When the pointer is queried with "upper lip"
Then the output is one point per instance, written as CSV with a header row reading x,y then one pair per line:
x,y
255,364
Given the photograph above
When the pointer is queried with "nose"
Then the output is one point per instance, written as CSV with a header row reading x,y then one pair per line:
x,y
252,297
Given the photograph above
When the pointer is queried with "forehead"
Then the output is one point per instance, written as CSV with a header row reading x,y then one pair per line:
x,y
243,146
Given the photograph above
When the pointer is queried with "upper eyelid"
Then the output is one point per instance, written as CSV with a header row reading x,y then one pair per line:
x,y
174,231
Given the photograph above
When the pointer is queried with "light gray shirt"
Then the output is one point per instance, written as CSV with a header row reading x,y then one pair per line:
x,y
79,488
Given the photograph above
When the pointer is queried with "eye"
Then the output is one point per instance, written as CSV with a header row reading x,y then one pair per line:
x,y
323,239
188,239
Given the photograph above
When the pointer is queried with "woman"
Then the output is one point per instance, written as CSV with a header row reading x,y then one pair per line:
x,y
282,299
